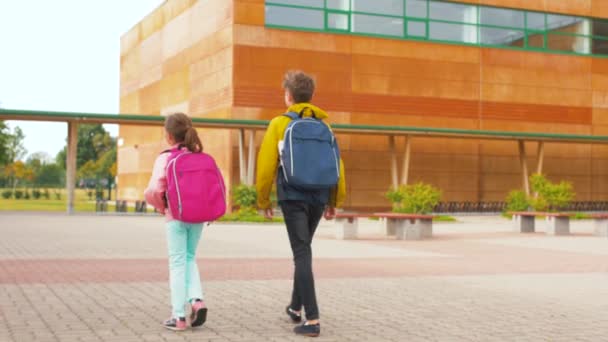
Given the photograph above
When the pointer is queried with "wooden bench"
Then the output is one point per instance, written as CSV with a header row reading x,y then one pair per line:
x,y
600,221
407,226
557,223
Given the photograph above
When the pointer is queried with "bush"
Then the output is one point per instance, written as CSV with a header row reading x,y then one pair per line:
x,y
245,196
7,194
57,195
517,201
18,194
546,196
46,194
90,195
419,198
550,196
36,194
26,195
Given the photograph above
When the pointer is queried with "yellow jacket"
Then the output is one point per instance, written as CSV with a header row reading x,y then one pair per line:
x,y
268,158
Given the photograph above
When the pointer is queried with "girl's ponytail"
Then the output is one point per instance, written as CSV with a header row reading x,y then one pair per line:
x,y
192,141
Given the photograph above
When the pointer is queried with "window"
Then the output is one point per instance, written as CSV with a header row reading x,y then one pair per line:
x,y
448,11
535,21
337,21
445,21
416,29
600,28
379,25
416,8
501,37
295,17
388,7
502,17
343,5
304,3
453,32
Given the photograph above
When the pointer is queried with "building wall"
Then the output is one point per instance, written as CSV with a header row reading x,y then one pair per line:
x,y
365,80
178,58
229,65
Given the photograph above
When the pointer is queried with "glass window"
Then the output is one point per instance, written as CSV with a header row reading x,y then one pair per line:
x,y
453,32
389,7
416,29
416,8
501,17
536,21
306,3
567,24
448,11
600,46
498,36
343,5
600,27
568,43
295,17
387,26
337,21
536,40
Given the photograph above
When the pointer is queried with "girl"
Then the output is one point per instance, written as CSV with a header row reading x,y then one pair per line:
x,y
182,238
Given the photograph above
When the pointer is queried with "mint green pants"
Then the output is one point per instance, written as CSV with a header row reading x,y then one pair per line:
x,y
184,279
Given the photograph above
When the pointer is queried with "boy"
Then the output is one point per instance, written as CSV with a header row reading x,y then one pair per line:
x,y
302,209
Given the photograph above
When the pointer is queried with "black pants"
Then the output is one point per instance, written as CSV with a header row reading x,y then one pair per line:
x,y
302,220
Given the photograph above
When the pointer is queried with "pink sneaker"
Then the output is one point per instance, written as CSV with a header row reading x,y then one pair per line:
x,y
199,314
176,324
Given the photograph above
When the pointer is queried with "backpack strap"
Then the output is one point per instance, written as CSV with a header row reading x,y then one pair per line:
x,y
293,115
296,116
179,147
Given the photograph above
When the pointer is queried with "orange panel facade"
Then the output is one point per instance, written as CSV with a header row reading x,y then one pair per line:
x,y
228,64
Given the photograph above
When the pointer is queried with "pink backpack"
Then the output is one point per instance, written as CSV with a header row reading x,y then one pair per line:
x,y
195,187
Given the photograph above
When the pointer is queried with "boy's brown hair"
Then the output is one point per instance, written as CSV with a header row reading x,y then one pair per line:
x,y
300,85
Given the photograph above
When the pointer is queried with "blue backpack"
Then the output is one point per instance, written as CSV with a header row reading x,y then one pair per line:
x,y
310,157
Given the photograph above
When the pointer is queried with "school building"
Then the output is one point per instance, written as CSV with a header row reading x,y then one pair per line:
x,y
505,65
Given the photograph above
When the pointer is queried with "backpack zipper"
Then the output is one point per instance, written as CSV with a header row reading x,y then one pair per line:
x,y
291,140
179,196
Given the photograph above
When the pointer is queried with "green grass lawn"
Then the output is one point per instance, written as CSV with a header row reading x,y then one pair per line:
x,y
46,205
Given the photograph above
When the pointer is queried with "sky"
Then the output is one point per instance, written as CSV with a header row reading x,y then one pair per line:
x,y
63,55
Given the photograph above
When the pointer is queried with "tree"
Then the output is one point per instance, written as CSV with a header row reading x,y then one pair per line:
x,y
50,175
18,171
96,155
4,137
14,145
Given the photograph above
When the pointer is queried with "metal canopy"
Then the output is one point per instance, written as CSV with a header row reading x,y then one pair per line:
x,y
157,120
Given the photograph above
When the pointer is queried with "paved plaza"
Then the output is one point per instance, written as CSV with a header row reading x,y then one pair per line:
x,y
104,278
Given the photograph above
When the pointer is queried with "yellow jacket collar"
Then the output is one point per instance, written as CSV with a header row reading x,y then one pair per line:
x,y
307,110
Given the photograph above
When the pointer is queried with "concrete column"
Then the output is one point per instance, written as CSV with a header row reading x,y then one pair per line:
x,y
406,161
523,224
70,163
557,225
346,228
541,157
251,158
601,227
242,166
524,166
394,171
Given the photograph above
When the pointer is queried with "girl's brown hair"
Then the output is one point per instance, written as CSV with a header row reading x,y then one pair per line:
x,y
179,126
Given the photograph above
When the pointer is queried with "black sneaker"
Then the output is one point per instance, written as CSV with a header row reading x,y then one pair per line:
x,y
310,330
176,324
295,317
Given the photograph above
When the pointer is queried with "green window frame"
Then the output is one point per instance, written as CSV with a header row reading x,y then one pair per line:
x,y
575,38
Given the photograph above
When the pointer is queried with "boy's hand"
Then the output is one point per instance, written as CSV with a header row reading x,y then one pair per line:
x,y
268,214
330,213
